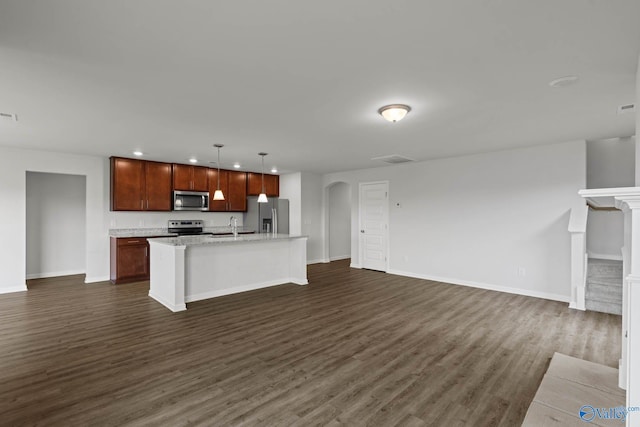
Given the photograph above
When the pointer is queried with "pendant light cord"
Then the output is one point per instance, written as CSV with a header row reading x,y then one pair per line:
x,y
218,168
262,172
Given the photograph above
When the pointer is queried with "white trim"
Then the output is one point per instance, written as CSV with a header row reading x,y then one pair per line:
x,y
605,256
506,289
13,289
54,274
96,279
574,306
339,257
317,261
355,265
175,308
243,288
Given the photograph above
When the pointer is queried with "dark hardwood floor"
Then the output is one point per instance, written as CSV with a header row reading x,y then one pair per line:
x,y
354,347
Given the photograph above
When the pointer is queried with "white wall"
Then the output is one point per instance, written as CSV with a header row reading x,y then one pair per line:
x,y
14,164
637,103
339,200
56,225
311,212
605,234
496,220
611,163
291,189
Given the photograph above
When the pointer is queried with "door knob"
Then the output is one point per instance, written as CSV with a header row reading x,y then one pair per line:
x,y
362,231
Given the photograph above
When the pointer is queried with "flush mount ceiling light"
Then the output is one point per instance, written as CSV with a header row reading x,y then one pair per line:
x,y
218,193
564,81
394,112
138,153
274,170
236,165
193,160
262,198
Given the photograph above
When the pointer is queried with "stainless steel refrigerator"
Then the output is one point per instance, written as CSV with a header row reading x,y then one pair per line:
x,y
270,217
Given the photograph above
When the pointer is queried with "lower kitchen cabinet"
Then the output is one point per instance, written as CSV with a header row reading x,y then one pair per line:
x,y
129,259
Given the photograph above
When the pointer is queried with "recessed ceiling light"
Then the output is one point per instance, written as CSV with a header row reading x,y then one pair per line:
x,y
138,153
564,81
236,165
394,112
274,170
193,160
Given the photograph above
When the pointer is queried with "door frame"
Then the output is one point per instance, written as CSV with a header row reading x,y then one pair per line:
x,y
359,230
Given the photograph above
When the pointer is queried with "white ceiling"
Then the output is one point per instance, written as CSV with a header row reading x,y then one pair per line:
x,y
302,80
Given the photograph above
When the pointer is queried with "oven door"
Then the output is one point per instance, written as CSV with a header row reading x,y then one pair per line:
x,y
190,201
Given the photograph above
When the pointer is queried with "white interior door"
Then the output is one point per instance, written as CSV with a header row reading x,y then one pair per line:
x,y
374,214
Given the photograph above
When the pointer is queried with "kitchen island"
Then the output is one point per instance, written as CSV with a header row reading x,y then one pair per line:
x,y
192,268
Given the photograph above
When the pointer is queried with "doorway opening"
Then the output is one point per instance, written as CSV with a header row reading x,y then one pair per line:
x,y
339,214
56,225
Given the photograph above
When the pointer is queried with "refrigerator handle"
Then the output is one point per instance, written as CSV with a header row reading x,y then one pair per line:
x,y
274,220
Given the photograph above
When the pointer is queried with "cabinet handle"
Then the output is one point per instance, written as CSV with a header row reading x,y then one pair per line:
x,y
133,241
141,204
146,251
147,204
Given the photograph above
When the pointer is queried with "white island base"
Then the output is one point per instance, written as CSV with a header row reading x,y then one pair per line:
x,y
187,269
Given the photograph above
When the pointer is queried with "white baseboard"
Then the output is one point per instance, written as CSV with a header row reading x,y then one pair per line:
x,y
11,289
489,287
605,256
97,279
172,307
243,288
339,257
54,274
317,261
573,305
354,265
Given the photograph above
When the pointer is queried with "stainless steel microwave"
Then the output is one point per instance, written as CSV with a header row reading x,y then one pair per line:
x,y
190,201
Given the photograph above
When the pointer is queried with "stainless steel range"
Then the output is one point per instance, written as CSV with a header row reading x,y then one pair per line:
x,y
187,227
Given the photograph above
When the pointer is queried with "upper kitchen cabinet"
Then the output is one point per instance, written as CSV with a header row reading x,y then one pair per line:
x,y
237,191
138,185
234,187
190,178
158,186
271,184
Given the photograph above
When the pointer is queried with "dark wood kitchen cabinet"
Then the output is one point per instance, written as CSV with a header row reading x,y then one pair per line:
x,y
139,185
271,184
190,178
129,259
234,187
237,191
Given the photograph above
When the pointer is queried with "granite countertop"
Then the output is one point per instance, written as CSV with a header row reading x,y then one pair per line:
x,y
163,232
215,240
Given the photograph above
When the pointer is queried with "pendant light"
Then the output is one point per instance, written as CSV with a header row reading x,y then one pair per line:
x,y
262,198
218,194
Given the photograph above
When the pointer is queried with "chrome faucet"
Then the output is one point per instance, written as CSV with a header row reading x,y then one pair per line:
x,y
233,223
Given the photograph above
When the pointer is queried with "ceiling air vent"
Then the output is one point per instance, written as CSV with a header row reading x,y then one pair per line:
x,y
6,117
394,158
629,108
